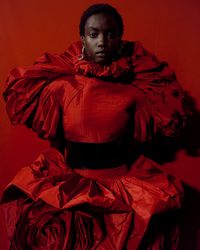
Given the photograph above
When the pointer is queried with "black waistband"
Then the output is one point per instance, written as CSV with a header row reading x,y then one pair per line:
x,y
99,155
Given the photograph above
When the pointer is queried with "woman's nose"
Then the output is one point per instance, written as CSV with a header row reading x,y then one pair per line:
x,y
102,40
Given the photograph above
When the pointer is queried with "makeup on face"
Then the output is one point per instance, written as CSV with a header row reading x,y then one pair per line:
x,y
101,39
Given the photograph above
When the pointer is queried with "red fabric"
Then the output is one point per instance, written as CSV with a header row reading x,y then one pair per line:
x,y
36,94
96,208
50,206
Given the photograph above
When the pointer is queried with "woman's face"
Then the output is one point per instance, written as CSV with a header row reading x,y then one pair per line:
x,y
101,39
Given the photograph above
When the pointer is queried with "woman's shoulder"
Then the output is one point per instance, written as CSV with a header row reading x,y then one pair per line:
x,y
132,48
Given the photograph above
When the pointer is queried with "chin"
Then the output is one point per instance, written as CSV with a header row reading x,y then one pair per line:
x,y
103,61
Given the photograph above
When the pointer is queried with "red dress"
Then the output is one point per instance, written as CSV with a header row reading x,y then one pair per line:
x,y
52,205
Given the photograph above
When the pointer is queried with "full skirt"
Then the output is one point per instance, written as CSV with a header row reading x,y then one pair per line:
x,y
49,206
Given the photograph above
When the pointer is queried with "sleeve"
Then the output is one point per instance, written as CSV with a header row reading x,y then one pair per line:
x,y
162,109
29,98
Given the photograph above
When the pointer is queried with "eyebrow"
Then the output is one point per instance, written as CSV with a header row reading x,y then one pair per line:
x,y
96,29
93,28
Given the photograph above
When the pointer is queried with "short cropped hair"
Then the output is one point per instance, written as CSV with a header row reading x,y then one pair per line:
x,y
101,8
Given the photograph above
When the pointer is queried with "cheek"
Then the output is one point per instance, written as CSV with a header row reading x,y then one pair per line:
x,y
89,46
115,44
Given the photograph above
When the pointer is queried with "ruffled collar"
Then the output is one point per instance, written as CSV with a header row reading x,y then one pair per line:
x,y
117,69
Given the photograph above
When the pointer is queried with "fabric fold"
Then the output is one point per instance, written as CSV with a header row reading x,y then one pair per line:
x,y
28,99
162,109
51,205
100,210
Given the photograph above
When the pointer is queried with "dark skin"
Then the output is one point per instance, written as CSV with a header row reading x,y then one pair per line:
x,y
101,39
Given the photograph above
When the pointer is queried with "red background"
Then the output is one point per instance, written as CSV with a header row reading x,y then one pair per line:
x,y
168,28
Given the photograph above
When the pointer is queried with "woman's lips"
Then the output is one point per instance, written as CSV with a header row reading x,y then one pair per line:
x,y
102,54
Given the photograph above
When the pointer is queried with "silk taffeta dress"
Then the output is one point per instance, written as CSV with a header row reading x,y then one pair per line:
x,y
103,113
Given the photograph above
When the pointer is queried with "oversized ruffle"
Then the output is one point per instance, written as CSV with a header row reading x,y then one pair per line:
x,y
51,206
117,69
31,101
28,99
163,106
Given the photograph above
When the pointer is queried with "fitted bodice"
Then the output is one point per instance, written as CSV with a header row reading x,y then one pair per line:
x,y
93,110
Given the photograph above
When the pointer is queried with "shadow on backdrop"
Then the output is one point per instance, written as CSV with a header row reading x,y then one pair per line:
x,y
163,150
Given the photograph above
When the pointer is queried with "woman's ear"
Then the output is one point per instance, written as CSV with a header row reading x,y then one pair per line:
x,y
83,40
83,53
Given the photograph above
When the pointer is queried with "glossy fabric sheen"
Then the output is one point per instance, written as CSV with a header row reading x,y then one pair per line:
x,y
89,209
53,205
57,89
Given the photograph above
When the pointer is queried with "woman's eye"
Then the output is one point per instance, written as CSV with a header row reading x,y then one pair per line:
x,y
112,35
93,35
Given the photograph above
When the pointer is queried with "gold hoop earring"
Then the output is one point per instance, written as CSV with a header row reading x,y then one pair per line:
x,y
82,55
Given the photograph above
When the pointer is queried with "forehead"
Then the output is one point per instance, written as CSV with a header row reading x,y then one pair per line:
x,y
101,21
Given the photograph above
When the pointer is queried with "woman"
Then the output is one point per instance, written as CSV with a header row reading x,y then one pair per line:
x,y
97,103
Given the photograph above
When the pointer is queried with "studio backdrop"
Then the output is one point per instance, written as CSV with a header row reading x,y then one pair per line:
x,y
170,29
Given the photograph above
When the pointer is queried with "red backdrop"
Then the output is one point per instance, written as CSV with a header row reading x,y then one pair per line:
x,y
29,28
